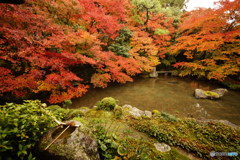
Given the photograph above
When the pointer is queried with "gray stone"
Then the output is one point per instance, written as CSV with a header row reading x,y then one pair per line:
x,y
162,147
148,114
214,94
76,143
154,73
220,91
136,112
199,93
127,106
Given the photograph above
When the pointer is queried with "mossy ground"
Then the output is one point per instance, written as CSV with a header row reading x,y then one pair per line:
x,y
138,144
196,138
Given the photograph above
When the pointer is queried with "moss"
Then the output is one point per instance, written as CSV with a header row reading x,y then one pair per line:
x,y
107,104
209,93
197,137
156,112
168,117
131,144
125,136
73,113
173,155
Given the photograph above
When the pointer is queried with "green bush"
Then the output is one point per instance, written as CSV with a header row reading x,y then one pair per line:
x,y
67,103
64,114
21,126
59,112
107,104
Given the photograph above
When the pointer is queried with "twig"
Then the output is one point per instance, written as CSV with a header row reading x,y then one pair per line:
x,y
57,137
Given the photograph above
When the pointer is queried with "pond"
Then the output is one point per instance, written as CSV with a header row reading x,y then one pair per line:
x,y
168,94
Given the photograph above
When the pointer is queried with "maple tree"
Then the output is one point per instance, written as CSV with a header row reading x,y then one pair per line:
x,y
209,42
56,48
41,41
153,31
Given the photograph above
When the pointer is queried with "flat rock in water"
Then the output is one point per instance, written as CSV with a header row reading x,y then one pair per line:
x,y
162,147
214,94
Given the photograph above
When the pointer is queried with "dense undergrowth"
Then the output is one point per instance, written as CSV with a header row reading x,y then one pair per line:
x,y
119,135
22,125
197,137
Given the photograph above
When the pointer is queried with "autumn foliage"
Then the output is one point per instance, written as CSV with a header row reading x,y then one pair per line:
x,y
210,42
57,48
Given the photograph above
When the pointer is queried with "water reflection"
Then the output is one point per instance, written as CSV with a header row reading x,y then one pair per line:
x,y
168,94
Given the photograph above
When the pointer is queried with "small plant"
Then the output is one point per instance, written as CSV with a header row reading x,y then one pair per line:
x,y
168,117
118,112
67,103
107,104
107,143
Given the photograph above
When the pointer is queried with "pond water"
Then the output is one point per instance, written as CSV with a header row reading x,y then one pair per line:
x,y
168,94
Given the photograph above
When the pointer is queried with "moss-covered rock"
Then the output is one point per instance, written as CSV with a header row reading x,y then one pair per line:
x,y
211,95
74,144
214,94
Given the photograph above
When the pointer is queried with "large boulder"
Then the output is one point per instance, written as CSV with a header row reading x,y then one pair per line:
x,y
214,94
74,144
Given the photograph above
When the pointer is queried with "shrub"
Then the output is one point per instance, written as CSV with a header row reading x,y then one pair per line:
x,y
59,112
107,104
64,114
21,125
67,103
